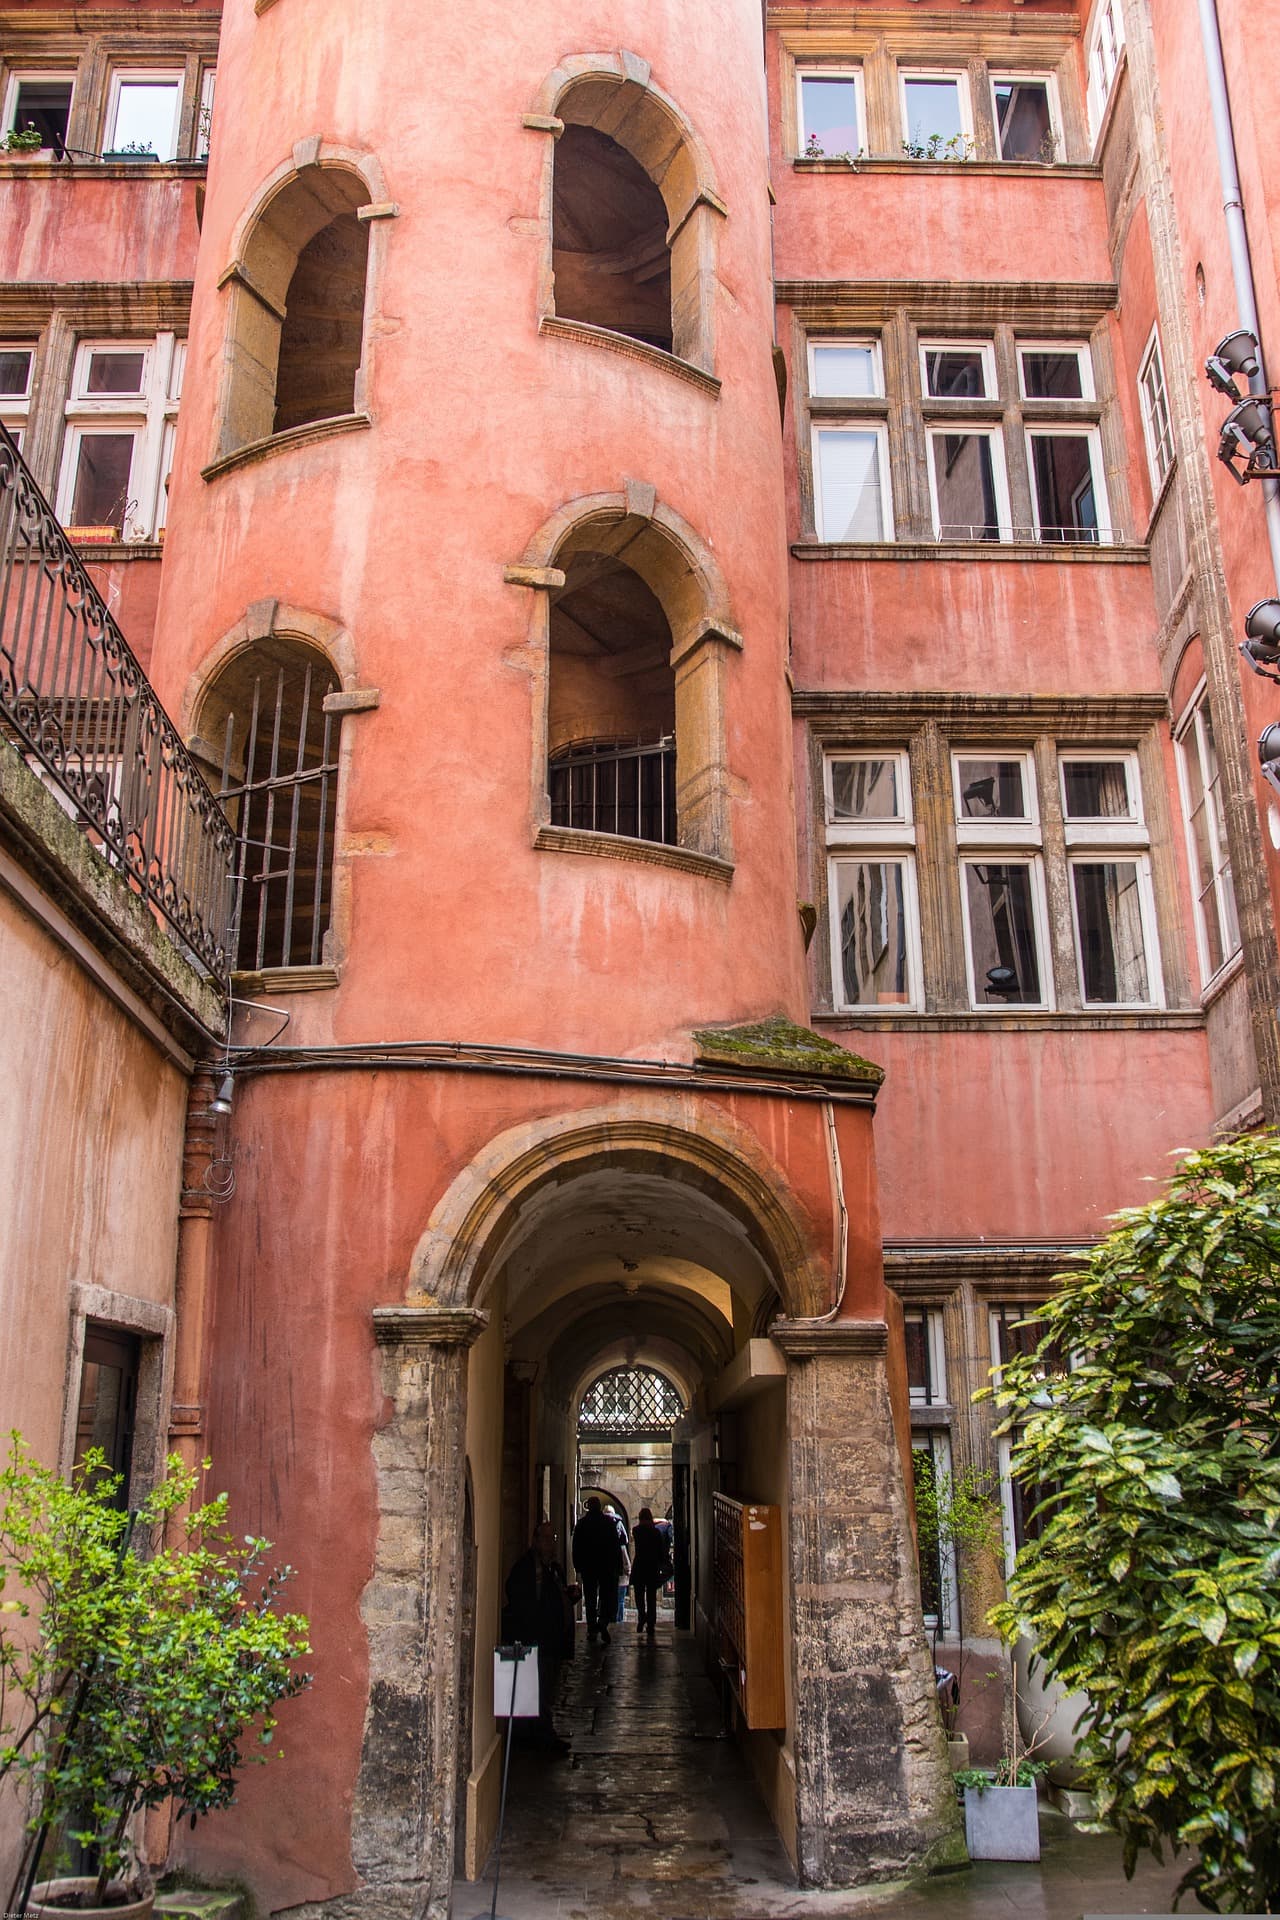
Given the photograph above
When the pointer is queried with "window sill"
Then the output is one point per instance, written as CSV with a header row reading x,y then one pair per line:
x,y
1128,1020
1020,551
280,442
616,846
1227,973
1018,169
622,343
29,167
269,980
113,550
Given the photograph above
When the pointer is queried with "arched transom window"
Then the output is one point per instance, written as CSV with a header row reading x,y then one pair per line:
x,y
630,1401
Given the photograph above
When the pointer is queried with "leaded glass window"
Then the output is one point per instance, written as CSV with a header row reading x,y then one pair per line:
x,y
630,1400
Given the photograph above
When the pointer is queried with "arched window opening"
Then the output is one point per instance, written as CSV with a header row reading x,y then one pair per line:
x,y
278,782
611,704
296,316
631,1403
322,336
610,255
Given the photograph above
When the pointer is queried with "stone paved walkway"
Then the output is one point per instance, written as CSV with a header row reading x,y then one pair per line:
x,y
655,1814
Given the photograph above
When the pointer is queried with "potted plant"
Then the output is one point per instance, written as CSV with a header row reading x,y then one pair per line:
x,y
1001,1812
138,1652
958,1527
23,140
132,150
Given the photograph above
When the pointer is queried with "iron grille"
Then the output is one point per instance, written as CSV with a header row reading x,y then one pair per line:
x,y
610,786
629,1401
79,709
279,787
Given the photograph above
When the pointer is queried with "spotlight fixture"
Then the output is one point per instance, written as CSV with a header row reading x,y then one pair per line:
x,y
221,1102
1269,755
1261,643
1248,436
1003,981
1236,354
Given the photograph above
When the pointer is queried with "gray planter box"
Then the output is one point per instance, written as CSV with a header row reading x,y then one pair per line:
x,y
1002,1823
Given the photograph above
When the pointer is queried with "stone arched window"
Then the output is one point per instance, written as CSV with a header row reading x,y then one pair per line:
x,y
638,650
266,719
630,1401
297,297
633,208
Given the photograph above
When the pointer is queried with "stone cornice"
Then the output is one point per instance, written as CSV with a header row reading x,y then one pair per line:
x,y
907,25
945,303
818,1339
618,846
582,331
849,716
92,303
967,553
428,1326
1015,1271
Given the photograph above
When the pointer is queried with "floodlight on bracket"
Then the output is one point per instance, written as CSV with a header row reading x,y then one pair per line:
x,y
1261,643
1247,447
1235,355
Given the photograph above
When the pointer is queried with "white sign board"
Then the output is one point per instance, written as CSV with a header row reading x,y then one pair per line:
x,y
515,1684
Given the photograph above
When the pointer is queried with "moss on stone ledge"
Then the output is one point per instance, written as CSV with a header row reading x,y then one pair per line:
x,y
779,1046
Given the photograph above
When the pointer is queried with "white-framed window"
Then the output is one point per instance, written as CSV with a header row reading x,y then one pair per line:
x,y
875,926
926,1356
957,369
1028,123
1217,927
843,369
204,116
1112,902
1002,891
39,99
937,117
1068,494
17,363
931,1460
120,421
1157,428
1103,48
1018,1498
852,499
144,107
1055,370
968,485
830,111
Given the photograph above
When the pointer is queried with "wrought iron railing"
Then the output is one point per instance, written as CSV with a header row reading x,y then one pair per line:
x,y
77,706
610,786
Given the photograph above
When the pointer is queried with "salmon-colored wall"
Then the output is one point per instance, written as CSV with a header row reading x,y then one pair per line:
x,y
93,1117
131,589
63,225
482,430
1203,243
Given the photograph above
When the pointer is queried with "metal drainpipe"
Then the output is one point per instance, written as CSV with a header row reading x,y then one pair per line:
x,y
1237,237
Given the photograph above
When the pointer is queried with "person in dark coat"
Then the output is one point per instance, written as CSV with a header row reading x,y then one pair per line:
x,y
597,1561
539,1612
650,1565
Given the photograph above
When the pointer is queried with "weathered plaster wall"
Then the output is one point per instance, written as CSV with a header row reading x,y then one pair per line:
x,y
91,1120
132,224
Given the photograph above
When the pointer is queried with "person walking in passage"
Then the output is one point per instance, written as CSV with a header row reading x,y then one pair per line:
x,y
650,1566
597,1559
539,1612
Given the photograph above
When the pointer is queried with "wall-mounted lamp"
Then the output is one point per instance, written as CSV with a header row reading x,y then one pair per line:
x,y
1269,754
1261,643
221,1102
1248,436
1237,354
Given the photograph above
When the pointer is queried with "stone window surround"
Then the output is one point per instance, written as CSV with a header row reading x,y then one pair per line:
x,y
1188,739
909,414
898,41
256,281
616,93
155,1324
90,61
681,571
260,622
53,321
929,727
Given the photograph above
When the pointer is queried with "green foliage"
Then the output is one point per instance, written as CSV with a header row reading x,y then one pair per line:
x,y
23,140
1154,1588
958,147
1013,1771
130,1670
957,1517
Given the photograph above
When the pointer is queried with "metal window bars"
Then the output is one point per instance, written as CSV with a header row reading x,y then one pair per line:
x,y
75,703
629,1401
279,788
613,786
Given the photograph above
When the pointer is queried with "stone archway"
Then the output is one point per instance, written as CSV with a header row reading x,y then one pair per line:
x,y
872,1786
